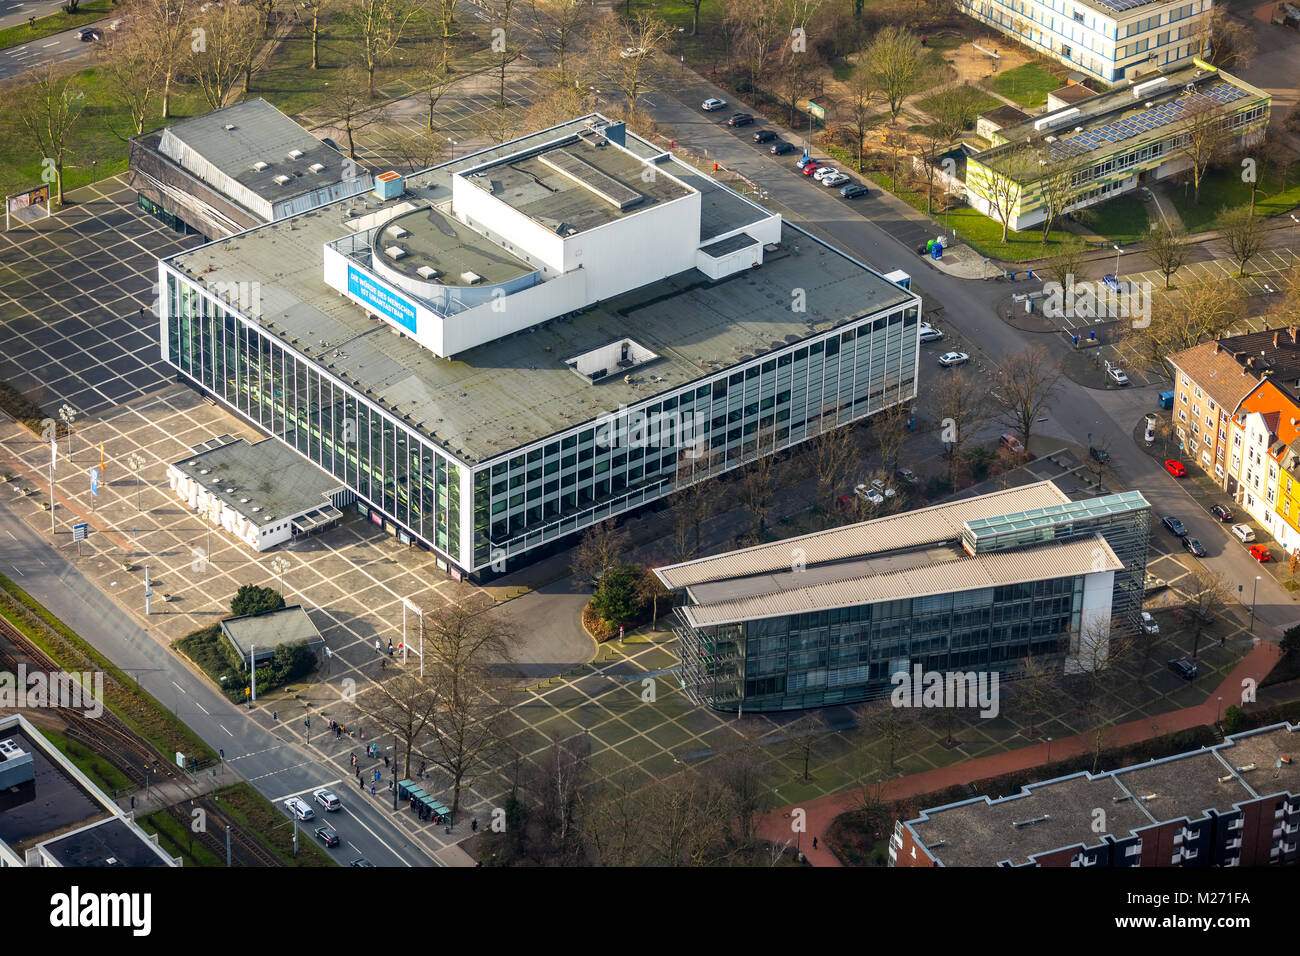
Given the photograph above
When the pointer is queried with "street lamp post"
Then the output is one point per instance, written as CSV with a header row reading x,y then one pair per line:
x,y
1294,222
68,414
1254,593
393,778
1049,749
1220,711
1118,250
279,566
136,463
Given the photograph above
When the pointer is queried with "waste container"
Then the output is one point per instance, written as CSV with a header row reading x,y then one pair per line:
x,y
936,251
1166,399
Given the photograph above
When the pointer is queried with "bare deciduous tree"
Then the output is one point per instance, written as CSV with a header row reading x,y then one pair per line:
x,y
316,11
232,36
1245,234
170,26
1207,595
1028,382
897,65
1064,266
134,69
348,106
1204,136
599,550
378,27
861,104
561,24
624,54
1232,45
961,409
1168,249
1199,309
831,454
402,706
894,726
47,107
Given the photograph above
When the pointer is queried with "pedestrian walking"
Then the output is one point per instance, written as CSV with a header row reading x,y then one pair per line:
x,y
383,664
372,789
377,650
390,647
360,783
814,843
385,760
473,825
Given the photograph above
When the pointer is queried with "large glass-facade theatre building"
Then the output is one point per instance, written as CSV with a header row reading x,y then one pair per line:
x,y
503,350
980,584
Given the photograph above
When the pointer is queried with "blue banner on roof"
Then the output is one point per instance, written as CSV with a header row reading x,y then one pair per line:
x,y
382,298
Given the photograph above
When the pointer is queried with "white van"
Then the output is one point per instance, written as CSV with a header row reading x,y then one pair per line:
x,y
327,799
299,808
1244,531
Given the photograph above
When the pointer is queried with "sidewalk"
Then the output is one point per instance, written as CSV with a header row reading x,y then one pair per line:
x,y
821,813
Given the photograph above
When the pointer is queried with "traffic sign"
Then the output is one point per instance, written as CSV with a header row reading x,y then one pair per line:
x,y
79,531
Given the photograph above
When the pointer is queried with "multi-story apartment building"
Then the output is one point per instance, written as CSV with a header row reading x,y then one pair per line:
x,y
1237,412
1111,143
496,353
1109,40
1234,804
977,584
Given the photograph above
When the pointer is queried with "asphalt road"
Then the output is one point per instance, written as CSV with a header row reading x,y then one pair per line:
x,y
51,49
871,229
13,13
275,765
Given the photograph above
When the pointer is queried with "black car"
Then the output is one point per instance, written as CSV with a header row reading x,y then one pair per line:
x,y
1184,668
1099,454
1221,512
361,862
853,190
1194,546
88,34
764,136
328,835
781,147
740,119
1174,525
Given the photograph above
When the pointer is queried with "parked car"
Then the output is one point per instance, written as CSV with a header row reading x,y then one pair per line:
x,y
631,51
803,161
1194,546
89,34
1260,553
1009,440
949,359
712,103
781,148
869,494
1221,512
929,333
1153,583
835,179
1098,454
328,835
1245,532
879,487
327,799
1117,376
854,190
907,476
810,168
824,171
740,119
1174,526
1184,668
1175,468
764,136
1149,625
1111,282
299,808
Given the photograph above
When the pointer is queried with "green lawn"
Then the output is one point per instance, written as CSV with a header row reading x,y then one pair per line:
x,y
981,100
1123,220
88,12
107,777
1224,187
1027,85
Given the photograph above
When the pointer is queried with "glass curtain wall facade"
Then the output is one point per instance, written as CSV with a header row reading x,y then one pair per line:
x,y
575,479
391,468
848,654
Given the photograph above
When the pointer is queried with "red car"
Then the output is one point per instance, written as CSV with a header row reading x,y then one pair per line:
x,y
1175,468
811,168
1260,553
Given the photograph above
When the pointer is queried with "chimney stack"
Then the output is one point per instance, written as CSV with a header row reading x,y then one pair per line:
x,y
1276,335
1292,330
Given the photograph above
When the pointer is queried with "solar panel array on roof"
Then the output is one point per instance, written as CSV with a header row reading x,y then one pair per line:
x,y
1119,6
1153,118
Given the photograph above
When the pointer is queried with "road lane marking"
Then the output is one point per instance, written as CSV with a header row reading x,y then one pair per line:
x,y
223,727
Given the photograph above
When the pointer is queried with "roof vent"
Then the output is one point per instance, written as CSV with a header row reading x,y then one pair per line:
x,y
229,127
1246,768
316,167
428,272
259,165
282,179
395,252
397,232
470,278
295,154
1018,824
